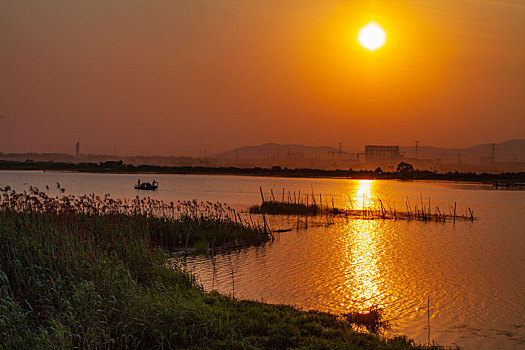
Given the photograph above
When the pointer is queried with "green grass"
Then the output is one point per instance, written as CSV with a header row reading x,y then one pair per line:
x,y
99,281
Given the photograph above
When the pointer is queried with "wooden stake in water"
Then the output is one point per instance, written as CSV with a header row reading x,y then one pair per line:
x,y
233,286
262,195
428,318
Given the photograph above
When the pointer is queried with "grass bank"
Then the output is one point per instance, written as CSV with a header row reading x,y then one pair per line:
x,y
71,279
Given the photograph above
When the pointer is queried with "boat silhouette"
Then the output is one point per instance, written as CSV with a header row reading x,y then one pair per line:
x,y
146,186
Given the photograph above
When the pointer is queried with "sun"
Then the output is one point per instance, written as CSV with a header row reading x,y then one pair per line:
x,y
372,36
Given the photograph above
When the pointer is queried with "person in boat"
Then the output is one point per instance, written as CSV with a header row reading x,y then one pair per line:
x,y
138,183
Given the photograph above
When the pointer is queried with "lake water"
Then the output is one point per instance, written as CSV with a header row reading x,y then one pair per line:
x,y
472,272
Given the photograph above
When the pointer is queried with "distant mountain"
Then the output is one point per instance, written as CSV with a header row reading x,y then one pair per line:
x,y
508,151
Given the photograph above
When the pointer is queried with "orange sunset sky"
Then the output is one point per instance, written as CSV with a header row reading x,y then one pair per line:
x,y
161,77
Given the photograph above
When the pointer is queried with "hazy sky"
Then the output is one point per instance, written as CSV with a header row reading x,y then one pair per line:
x,y
166,76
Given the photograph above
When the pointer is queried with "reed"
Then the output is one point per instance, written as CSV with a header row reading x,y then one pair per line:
x,y
201,226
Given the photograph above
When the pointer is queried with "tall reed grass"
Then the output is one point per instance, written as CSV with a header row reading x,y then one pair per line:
x,y
205,226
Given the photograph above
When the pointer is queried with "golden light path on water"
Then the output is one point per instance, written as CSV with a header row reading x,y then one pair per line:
x,y
363,278
363,194
349,260
362,239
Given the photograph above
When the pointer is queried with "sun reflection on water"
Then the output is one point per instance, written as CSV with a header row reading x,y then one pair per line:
x,y
363,280
362,197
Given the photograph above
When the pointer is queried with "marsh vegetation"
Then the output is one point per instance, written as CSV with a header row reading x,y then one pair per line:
x,y
313,205
88,272
180,225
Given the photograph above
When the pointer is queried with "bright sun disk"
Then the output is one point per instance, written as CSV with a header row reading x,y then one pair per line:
x,y
372,36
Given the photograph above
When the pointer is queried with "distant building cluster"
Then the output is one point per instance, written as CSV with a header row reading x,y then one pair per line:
x,y
507,156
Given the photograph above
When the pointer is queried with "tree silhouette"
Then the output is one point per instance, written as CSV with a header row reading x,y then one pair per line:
x,y
405,168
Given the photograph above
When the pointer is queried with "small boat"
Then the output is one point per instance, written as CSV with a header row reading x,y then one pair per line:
x,y
146,186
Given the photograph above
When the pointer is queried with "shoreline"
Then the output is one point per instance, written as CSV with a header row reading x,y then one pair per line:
x,y
498,180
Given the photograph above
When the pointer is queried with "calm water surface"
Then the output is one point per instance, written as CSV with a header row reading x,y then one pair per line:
x,y
473,272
